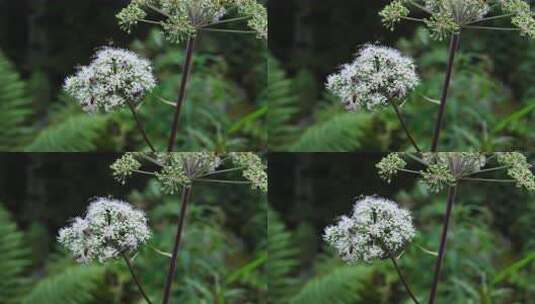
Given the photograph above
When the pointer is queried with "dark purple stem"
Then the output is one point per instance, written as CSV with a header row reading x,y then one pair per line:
x,y
442,249
182,92
186,195
454,46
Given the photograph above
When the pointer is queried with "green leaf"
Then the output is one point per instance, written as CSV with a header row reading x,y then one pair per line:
x,y
246,269
514,117
283,259
15,259
433,253
75,134
248,119
283,105
341,133
15,108
75,285
340,286
513,268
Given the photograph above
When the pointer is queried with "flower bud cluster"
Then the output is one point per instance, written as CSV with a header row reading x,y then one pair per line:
x,y
180,169
448,17
522,16
390,166
518,169
124,167
183,18
177,170
254,169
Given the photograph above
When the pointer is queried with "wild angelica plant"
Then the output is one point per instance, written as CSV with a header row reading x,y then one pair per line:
x,y
449,170
181,171
376,230
449,18
110,229
184,20
378,77
115,78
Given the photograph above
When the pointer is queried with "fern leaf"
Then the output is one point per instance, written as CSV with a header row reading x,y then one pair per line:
x,y
282,259
340,286
15,258
75,285
75,134
15,107
340,133
282,107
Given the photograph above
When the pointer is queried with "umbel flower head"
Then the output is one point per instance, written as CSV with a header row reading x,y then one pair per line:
x,y
181,169
446,169
518,169
254,169
447,17
184,18
376,78
114,78
390,166
377,229
110,228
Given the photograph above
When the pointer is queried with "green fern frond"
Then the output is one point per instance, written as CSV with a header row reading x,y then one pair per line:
x,y
340,286
14,259
15,107
282,107
282,259
77,133
75,285
340,133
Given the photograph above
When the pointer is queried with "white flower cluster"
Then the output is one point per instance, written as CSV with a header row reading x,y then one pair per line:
x,y
109,229
378,76
114,77
377,229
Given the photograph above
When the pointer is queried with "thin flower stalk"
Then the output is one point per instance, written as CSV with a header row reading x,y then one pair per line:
x,y
140,127
404,281
135,278
405,128
186,196
442,248
454,46
186,72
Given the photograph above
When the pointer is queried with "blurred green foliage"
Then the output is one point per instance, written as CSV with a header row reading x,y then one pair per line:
x,y
490,253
